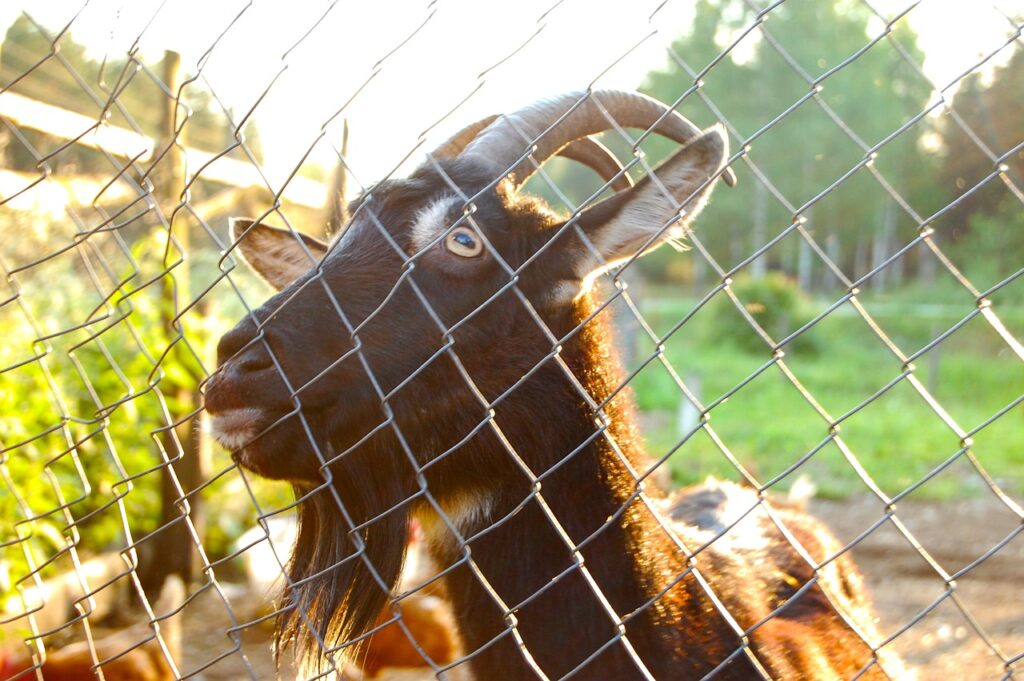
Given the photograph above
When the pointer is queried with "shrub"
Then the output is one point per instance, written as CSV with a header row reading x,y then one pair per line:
x,y
775,301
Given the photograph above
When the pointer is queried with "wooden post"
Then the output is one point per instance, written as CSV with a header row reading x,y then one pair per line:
x,y
687,415
934,359
804,264
627,328
832,250
173,551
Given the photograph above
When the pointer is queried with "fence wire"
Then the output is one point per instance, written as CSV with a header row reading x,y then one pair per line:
x,y
121,276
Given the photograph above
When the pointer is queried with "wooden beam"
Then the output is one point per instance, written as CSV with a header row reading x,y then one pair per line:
x,y
31,114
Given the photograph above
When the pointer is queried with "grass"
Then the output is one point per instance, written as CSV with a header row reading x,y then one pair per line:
x,y
898,438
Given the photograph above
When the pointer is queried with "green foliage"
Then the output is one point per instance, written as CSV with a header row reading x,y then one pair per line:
x,y
94,369
806,150
991,249
775,301
84,407
67,387
768,425
989,108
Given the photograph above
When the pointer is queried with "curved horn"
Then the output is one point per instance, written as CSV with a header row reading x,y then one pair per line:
x,y
457,142
585,150
556,122
600,159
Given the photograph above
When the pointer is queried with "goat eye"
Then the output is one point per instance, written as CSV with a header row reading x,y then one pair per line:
x,y
463,242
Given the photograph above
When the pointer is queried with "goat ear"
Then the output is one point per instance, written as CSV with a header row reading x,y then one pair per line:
x,y
651,213
279,256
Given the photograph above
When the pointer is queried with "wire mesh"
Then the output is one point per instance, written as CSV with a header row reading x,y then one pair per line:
x,y
132,542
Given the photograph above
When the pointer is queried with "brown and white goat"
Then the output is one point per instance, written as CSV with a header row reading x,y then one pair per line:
x,y
442,359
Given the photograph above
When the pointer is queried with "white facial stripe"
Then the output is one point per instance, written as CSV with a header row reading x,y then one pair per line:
x,y
431,221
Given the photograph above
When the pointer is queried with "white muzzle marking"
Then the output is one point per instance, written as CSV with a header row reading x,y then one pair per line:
x,y
235,428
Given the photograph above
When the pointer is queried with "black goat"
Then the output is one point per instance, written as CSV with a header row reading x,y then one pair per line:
x,y
442,359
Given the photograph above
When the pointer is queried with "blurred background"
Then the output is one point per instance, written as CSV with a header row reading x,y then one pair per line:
x,y
874,243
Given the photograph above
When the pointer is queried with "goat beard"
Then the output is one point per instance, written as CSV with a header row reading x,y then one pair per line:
x,y
336,589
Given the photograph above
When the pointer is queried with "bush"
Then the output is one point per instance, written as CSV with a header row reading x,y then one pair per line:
x,y
82,415
990,251
775,301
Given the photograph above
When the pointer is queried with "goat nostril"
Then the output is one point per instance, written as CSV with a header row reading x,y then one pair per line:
x,y
235,341
254,364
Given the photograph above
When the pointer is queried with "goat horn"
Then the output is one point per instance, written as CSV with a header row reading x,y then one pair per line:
x,y
585,150
457,142
551,124
600,159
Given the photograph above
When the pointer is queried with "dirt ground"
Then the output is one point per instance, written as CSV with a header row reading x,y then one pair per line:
x,y
931,633
943,643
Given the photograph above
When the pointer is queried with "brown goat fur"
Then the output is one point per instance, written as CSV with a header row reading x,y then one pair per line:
x,y
410,375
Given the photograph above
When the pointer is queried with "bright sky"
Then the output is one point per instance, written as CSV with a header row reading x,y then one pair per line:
x,y
461,45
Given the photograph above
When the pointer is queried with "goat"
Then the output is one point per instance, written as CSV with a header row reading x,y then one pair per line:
x,y
136,653
443,359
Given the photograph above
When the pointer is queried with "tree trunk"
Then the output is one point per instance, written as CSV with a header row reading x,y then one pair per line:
x,y
805,256
832,249
759,267
883,245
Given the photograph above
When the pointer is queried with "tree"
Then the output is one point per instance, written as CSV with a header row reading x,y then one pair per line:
x,y
988,108
805,151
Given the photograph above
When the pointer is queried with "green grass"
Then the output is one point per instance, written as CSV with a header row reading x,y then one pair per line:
x,y
898,438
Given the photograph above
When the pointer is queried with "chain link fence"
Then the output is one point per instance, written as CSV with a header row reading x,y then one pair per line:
x,y
837,335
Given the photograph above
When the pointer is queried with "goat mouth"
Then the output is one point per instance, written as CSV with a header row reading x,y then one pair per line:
x,y
263,442
235,429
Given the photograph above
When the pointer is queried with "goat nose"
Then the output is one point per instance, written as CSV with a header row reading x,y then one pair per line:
x,y
244,350
235,340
